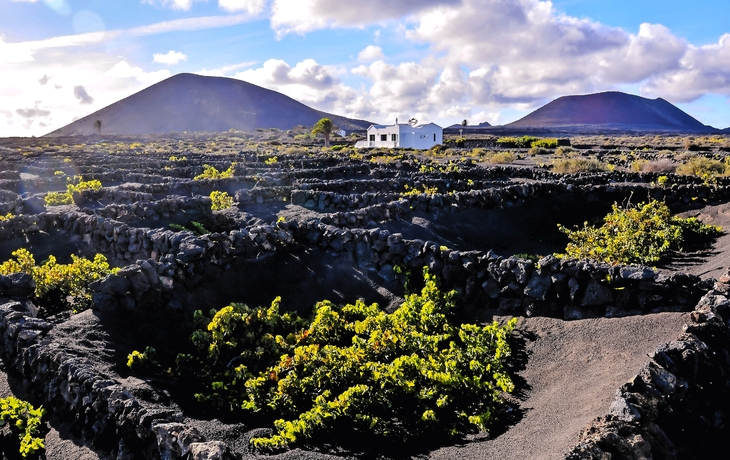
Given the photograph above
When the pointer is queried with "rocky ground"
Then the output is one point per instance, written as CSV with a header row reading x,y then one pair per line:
x,y
347,220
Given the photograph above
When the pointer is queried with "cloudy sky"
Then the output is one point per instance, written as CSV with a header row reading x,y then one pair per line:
x,y
436,60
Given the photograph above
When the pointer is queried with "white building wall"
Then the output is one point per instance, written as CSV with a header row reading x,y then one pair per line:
x,y
402,135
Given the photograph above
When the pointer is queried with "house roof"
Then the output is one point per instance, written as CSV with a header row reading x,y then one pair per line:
x,y
404,124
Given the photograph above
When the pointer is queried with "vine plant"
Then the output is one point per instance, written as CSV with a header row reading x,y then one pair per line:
x,y
394,378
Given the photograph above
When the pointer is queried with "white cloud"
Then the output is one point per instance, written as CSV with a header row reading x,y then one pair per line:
x,y
301,16
224,70
174,4
122,70
370,53
308,82
82,95
250,6
702,70
169,58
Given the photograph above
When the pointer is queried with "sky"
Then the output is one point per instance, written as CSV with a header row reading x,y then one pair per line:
x,y
433,60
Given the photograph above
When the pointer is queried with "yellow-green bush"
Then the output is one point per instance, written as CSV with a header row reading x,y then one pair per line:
x,y
547,143
220,200
702,167
24,420
210,172
645,233
500,157
69,281
410,375
59,198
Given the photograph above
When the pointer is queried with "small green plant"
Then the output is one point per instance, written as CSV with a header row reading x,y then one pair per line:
x,y
221,200
59,173
415,191
145,361
644,234
25,420
662,180
210,172
7,216
195,227
68,283
173,158
60,198
271,161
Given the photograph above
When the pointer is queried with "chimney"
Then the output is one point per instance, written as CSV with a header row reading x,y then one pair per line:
x,y
396,122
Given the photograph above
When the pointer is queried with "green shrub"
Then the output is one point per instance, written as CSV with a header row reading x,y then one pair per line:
x,y
59,198
645,234
410,375
68,283
145,361
702,167
25,420
547,143
520,142
210,172
220,200
500,157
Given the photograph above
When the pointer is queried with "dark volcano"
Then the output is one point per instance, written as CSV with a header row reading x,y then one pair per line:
x,y
611,110
187,102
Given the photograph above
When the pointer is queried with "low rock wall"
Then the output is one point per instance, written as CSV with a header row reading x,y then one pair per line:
x,y
678,404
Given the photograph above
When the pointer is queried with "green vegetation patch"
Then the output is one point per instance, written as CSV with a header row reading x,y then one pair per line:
x,y
24,420
645,234
66,283
392,378
210,172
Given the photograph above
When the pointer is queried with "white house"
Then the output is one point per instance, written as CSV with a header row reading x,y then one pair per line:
x,y
403,135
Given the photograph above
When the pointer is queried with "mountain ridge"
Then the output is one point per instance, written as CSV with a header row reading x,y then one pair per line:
x,y
611,110
189,102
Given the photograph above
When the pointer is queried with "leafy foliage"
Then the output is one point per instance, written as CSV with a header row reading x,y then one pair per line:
x,y
195,227
60,280
220,200
59,198
700,166
325,127
25,420
210,172
143,361
415,191
521,142
644,234
410,375
547,143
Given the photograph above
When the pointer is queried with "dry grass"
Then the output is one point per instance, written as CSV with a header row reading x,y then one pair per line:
x,y
578,165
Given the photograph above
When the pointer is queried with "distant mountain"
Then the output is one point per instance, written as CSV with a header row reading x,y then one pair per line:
x,y
611,110
188,102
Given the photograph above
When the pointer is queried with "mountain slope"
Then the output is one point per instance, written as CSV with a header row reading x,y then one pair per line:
x,y
187,102
611,110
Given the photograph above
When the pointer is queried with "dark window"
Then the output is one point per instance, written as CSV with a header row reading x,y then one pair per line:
x,y
393,137
372,138
434,137
383,137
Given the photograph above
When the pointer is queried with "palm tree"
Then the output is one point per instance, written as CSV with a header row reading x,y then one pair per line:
x,y
97,125
326,128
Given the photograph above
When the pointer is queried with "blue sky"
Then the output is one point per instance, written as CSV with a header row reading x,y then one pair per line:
x,y
436,60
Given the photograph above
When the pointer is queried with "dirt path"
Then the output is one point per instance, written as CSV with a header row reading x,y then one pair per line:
x,y
572,372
